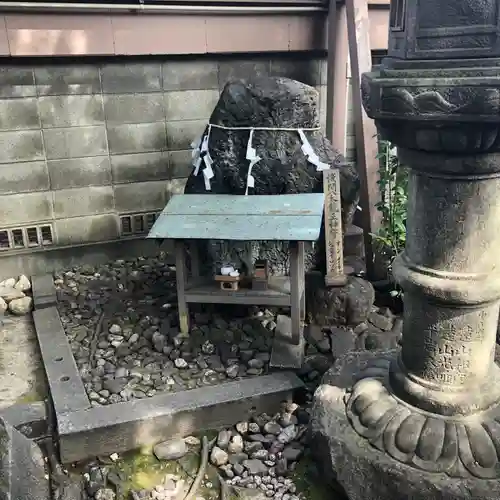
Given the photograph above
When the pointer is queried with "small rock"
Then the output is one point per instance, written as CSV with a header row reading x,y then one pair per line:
x,y
218,457
242,427
23,284
288,434
236,444
238,469
21,306
384,323
181,363
115,329
232,371
114,386
281,466
3,306
10,293
170,450
208,348
223,439
292,453
255,467
253,428
272,428
192,441
105,494
8,283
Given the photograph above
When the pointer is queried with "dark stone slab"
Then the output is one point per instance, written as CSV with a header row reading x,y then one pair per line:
x,y
125,426
22,470
44,291
28,418
66,386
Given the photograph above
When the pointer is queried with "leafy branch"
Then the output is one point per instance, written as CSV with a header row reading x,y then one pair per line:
x,y
393,186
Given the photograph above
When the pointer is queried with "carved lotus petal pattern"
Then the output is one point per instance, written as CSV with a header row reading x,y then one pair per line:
x,y
458,447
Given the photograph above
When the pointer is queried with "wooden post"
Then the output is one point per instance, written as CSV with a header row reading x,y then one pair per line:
x,y
358,31
335,275
337,78
296,279
181,279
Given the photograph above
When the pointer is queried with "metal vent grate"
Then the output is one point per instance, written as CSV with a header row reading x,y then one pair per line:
x,y
26,237
135,224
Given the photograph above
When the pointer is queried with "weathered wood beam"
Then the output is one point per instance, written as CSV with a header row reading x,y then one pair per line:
x,y
358,30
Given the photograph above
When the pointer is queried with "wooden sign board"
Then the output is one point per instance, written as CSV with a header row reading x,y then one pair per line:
x,y
335,275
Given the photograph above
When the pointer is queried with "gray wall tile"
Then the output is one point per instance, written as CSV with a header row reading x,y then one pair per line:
x,y
190,75
19,114
77,230
23,145
137,138
17,82
130,78
23,177
300,68
231,69
71,111
175,186
67,80
79,172
140,167
180,164
182,133
141,196
25,208
134,108
190,104
83,201
75,142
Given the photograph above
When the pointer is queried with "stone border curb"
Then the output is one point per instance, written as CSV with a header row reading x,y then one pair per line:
x,y
86,431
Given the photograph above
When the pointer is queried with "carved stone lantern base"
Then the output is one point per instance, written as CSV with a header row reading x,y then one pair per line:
x,y
378,447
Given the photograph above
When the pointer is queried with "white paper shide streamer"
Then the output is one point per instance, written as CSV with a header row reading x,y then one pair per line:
x,y
308,151
201,154
253,159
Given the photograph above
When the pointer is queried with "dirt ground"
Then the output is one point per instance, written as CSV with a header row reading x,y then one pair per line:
x,y
22,378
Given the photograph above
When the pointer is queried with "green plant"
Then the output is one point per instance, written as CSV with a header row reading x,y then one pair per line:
x,y
393,185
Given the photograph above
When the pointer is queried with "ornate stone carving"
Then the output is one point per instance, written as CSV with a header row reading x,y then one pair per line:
x,y
457,446
434,112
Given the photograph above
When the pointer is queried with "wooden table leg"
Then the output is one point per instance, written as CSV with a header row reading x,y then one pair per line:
x,y
194,258
181,278
296,271
302,281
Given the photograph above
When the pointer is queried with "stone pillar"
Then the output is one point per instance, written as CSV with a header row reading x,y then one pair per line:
x,y
424,423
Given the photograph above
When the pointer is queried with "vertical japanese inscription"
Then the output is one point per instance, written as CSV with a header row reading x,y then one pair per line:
x,y
333,224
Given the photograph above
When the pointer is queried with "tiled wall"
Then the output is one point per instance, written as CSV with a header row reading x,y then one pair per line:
x,y
82,147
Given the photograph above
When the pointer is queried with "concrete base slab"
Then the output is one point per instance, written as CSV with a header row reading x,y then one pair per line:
x,y
126,426
285,354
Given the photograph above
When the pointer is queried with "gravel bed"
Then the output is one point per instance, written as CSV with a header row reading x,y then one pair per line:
x,y
121,319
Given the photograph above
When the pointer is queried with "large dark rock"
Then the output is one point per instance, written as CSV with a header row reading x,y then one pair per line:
x,y
344,305
283,169
22,468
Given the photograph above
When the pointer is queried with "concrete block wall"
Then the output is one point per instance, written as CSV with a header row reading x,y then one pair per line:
x,y
92,152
